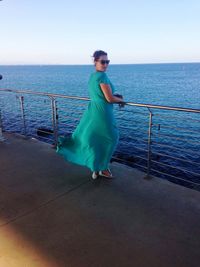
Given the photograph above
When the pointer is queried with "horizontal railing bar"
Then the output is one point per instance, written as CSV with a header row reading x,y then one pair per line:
x,y
191,119
11,116
32,105
36,111
137,121
164,107
165,155
173,167
44,131
71,117
178,178
134,156
62,116
66,110
141,166
44,94
73,104
37,136
66,132
136,139
29,100
66,129
176,128
66,124
140,157
133,112
127,161
140,149
173,147
87,99
74,124
176,138
167,136
134,129
175,117
8,109
36,126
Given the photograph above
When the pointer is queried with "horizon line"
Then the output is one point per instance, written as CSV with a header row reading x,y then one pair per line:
x,y
70,64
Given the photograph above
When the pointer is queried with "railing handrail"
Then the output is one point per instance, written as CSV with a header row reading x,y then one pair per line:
x,y
44,94
88,99
149,161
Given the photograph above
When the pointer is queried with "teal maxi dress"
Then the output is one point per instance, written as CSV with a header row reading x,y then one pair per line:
x,y
95,138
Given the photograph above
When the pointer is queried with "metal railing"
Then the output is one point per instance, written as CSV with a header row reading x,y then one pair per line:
x,y
160,140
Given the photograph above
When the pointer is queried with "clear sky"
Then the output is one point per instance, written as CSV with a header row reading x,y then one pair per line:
x,y
69,31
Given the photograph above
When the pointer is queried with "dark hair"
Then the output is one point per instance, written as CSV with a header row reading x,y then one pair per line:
x,y
97,54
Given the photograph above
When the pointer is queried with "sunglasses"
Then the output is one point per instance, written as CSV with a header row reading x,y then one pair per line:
x,y
103,62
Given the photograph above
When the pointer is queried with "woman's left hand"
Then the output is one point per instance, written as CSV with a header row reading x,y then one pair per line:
x,y
122,104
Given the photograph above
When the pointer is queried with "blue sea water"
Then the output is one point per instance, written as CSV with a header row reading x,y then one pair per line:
x,y
160,84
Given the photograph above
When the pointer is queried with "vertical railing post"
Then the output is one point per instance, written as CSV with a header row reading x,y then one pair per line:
x,y
56,123
21,98
54,120
149,145
2,139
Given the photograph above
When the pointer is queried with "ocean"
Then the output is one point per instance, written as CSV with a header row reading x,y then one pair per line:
x,y
159,84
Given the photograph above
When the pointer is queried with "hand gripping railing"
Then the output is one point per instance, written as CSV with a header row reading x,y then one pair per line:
x,y
141,135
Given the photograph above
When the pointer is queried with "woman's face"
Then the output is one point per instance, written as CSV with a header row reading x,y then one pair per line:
x,y
102,63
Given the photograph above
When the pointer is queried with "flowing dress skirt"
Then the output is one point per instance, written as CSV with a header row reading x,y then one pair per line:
x,y
94,140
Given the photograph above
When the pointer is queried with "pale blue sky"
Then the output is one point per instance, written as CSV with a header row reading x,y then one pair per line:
x,y
68,31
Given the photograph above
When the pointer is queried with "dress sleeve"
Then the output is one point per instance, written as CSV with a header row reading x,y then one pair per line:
x,y
103,78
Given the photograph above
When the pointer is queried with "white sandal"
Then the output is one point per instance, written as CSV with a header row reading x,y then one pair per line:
x,y
95,175
107,176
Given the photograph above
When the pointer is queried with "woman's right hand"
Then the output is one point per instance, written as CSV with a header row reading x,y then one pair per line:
x,y
121,103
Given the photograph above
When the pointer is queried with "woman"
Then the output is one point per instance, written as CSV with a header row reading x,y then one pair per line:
x,y
96,136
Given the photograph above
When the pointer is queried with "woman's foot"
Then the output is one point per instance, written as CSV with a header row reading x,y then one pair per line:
x,y
95,175
106,173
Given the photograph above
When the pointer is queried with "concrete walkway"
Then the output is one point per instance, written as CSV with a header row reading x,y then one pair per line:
x,y
53,214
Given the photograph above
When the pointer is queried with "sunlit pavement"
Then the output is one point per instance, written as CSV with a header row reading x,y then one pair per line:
x,y
53,214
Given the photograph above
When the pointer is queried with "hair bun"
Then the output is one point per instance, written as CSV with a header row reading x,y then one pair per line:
x,y
98,53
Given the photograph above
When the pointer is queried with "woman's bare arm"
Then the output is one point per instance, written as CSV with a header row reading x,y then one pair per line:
x,y
108,94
